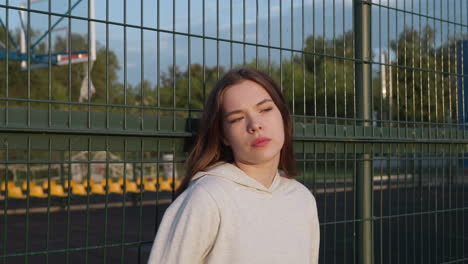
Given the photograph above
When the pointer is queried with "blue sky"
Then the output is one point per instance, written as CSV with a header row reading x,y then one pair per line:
x,y
331,18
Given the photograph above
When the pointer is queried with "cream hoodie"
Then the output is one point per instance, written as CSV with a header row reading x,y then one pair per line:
x,y
226,216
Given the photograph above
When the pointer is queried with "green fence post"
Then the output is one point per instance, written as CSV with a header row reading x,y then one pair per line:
x,y
363,190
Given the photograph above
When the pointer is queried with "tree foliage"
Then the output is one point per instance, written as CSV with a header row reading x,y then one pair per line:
x,y
316,83
424,87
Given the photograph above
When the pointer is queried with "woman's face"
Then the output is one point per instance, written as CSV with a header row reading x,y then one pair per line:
x,y
252,124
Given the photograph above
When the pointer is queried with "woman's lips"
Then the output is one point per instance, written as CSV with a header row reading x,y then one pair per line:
x,y
260,142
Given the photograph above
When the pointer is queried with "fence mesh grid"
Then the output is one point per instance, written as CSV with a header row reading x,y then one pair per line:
x,y
93,147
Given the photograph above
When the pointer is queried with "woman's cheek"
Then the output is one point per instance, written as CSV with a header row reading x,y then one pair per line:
x,y
236,134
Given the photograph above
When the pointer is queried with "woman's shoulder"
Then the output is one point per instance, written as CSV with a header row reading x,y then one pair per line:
x,y
204,188
209,182
302,195
297,187
197,195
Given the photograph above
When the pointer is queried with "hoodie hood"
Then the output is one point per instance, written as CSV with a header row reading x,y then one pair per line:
x,y
233,173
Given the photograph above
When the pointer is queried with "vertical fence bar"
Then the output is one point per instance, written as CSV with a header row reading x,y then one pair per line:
x,y
449,58
125,64
398,70
88,197
324,50
107,67
243,34
68,201
158,63
382,72
462,49
405,77
431,176
203,48
174,67
106,202
381,97
231,45
28,44
88,63
48,190
436,120
325,215
335,198
398,188
189,61
355,223
422,173
334,69
7,48
142,190
345,169
363,76
457,134
256,34
122,238
28,196
381,220
304,104
49,65
5,182
281,43
69,44
293,108
389,162
5,209
269,38
156,213
140,204
173,171
217,40
142,67
345,114
405,179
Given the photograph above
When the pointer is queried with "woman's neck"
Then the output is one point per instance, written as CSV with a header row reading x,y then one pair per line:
x,y
263,173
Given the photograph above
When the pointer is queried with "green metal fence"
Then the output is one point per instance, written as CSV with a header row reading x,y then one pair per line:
x,y
91,150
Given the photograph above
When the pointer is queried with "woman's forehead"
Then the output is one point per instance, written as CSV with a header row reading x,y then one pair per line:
x,y
244,94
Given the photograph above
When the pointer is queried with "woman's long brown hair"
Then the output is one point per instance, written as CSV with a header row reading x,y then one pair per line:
x,y
208,147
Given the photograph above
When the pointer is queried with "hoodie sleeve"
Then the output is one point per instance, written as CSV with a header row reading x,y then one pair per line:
x,y
188,229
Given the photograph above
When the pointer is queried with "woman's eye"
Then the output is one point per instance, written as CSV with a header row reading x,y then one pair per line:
x,y
267,109
235,120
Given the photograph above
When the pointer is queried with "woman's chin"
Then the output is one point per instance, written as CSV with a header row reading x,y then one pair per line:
x,y
262,158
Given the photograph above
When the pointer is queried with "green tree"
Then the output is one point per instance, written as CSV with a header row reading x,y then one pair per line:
x,y
429,94
189,93
328,89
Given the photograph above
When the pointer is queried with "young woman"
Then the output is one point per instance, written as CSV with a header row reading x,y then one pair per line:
x,y
239,202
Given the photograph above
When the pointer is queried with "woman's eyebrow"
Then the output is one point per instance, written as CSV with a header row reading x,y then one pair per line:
x,y
258,104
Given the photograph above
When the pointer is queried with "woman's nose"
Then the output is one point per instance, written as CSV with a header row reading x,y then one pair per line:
x,y
254,126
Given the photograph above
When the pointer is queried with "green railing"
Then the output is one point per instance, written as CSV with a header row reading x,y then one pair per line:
x,y
376,90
